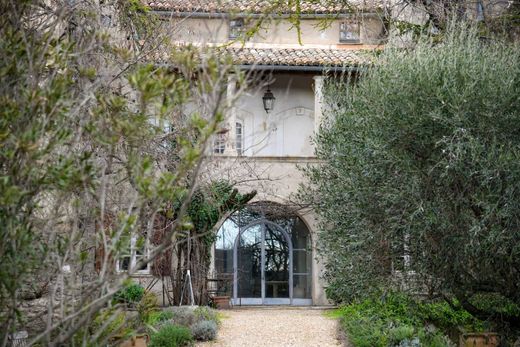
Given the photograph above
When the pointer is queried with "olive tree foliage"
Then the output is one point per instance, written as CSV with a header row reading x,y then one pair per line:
x,y
419,181
95,142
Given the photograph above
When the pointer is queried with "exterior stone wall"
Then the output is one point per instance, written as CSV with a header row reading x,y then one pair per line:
x,y
280,32
276,179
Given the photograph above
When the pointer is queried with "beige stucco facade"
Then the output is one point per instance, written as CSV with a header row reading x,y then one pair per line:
x,y
279,31
273,145
276,145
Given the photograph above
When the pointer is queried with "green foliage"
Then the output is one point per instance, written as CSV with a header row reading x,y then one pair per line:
x,y
188,316
495,304
204,330
205,313
157,317
109,323
398,320
420,161
132,293
147,306
184,316
171,336
210,202
93,144
450,315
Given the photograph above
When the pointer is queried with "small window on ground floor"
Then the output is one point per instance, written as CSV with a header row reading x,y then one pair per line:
x,y
219,143
137,251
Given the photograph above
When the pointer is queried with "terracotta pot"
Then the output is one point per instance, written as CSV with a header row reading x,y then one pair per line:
x,y
222,302
136,341
479,340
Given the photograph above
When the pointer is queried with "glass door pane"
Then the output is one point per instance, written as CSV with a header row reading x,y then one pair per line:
x,y
249,257
276,264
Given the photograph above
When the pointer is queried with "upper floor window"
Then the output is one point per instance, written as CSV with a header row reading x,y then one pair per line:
x,y
236,28
137,251
239,138
349,31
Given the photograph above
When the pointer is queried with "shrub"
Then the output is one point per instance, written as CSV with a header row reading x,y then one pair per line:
x,y
117,324
204,330
156,318
399,320
147,306
401,334
130,294
184,316
206,313
171,336
496,304
447,317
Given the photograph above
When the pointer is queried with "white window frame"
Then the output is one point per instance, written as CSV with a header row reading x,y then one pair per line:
x,y
347,26
236,28
239,145
219,143
134,257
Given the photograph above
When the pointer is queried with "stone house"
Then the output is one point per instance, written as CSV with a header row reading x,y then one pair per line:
x,y
266,254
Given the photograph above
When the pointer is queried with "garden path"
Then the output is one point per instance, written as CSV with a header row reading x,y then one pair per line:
x,y
287,327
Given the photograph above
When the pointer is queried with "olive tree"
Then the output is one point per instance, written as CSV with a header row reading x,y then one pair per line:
x,y
96,142
418,186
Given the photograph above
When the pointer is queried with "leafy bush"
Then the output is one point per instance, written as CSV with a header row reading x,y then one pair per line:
x,y
130,294
147,306
172,336
446,316
204,330
496,304
401,333
111,322
156,318
398,320
207,313
419,157
184,316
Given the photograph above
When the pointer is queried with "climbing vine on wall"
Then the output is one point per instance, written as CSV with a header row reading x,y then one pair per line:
x,y
209,205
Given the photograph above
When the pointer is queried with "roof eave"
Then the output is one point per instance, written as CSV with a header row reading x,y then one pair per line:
x,y
169,13
301,68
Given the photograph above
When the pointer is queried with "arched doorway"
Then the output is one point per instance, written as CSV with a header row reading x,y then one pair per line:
x,y
266,258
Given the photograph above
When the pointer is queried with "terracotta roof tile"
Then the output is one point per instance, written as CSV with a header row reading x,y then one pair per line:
x,y
254,56
298,57
259,6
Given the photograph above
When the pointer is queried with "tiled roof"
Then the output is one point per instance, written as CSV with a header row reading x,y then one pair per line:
x,y
262,6
276,58
298,56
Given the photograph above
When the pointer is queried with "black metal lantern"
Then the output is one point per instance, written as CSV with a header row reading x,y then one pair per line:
x,y
268,100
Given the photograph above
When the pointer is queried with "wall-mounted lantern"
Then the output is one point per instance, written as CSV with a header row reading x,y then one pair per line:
x,y
268,100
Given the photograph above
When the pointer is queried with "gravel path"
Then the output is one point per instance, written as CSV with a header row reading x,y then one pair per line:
x,y
275,327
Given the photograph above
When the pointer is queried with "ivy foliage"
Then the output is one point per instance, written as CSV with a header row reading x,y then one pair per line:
x,y
211,202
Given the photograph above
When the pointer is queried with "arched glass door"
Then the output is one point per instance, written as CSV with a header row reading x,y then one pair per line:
x,y
263,258
263,265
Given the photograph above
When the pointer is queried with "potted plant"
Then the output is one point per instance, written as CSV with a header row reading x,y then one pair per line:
x,y
479,340
140,340
222,301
